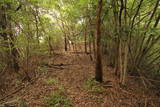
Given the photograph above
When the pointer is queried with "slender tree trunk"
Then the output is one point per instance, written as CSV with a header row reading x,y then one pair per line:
x,y
125,64
90,45
92,39
99,73
85,40
120,61
65,38
117,57
27,77
93,44
37,29
119,42
116,39
14,53
65,42
50,46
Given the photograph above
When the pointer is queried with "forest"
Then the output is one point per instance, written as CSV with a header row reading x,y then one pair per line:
x,y
79,53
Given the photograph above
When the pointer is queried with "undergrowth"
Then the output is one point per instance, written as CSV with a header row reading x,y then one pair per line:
x,y
59,99
51,81
93,86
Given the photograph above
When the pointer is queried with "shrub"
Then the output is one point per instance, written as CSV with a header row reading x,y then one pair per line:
x,y
59,99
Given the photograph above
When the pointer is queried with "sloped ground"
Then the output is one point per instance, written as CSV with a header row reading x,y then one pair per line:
x,y
72,71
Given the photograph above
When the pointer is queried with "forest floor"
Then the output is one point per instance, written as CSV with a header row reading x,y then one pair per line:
x,y
70,74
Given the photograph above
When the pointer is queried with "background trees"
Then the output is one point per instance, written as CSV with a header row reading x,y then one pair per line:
x,y
129,32
117,38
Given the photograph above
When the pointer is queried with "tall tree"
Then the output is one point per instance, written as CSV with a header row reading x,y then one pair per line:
x,y
99,73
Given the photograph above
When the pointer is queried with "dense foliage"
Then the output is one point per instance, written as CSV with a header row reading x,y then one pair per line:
x,y
129,30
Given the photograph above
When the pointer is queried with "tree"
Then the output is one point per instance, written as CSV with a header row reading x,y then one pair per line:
x,y
99,73
8,36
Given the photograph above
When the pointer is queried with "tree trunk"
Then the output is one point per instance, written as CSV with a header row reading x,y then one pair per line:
x,y
65,38
9,38
99,73
14,53
85,40
93,44
125,63
90,45
65,42
51,50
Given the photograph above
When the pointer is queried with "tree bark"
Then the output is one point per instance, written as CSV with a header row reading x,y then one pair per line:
x,y
99,73
65,42
85,39
65,38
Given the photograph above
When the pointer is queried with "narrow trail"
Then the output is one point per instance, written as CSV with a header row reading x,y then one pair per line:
x,y
71,71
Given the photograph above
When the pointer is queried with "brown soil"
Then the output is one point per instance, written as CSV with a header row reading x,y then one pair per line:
x,y
72,70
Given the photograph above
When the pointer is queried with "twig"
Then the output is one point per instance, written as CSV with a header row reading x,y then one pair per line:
x,y
19,89
12,93
3,70
129,93
9,102
142,77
